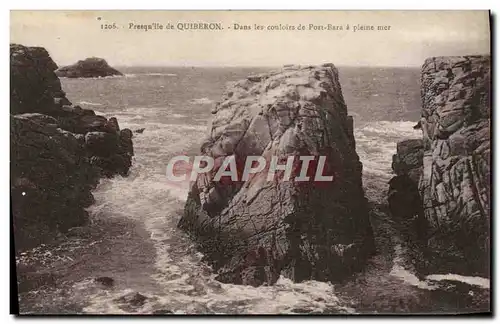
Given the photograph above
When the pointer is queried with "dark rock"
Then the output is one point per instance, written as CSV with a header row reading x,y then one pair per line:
x,y
34,87
251,232
93,67
456,178
79,232
39,118
409,158
162,311
88,112
112,125
139,131
88,123
406,209
105,281
418,125
451,166
34,280
101,144
126,144
51,179
51,171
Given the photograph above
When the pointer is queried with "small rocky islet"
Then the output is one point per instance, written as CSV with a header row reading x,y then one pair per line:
x,y
92,67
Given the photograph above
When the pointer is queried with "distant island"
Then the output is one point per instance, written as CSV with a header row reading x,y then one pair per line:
x,y
93,67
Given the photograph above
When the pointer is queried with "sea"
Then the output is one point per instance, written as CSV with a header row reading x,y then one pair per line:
x,y
133,239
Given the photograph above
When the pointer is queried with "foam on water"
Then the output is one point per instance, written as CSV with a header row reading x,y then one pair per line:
x,y
474,281
375,144
201,101
86,103
187,283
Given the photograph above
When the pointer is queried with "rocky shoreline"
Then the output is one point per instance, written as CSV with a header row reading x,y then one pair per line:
x,y
58,150
439,198
252,231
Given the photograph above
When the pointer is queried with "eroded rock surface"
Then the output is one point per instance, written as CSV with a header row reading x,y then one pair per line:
x,y
455,183
408,158
58,151
253,231
453,174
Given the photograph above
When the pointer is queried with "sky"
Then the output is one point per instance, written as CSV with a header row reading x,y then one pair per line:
x,y
413,36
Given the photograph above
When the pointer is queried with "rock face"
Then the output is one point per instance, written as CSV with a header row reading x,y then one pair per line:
x,y
455,184
454,181
408,158
58,151
33,85
253,231
92,67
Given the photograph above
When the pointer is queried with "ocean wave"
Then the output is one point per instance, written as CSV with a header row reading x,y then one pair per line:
x,y
201,101
97,78
87,103
400,271
160,74
399,129
473,281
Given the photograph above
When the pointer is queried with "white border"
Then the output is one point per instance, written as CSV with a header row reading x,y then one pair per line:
x,y
191,5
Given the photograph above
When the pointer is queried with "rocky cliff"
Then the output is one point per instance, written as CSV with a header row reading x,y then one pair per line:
x,y
454,173
253,231
58,151
92,67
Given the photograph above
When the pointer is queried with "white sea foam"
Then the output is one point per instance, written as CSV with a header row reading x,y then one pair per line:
x,y
96,78
160,74
201,101
399,270
474,281
87,103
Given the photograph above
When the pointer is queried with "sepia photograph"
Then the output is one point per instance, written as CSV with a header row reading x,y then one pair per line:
x,y
226,162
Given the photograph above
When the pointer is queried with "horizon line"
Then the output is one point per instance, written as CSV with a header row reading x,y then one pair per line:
x,y
258,66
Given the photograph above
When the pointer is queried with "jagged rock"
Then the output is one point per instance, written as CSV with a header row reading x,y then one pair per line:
x,y
132,300
29,279
52,172
112,125
33,85
105,281
92,67
254,231
81,231
126,148
407,211
408,158
39,118
454,172
101,144
162,311
455,183
139,131
51,179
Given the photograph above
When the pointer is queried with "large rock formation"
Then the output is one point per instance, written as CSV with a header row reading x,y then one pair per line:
x,y
92,67
454,183
253,231
58,151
